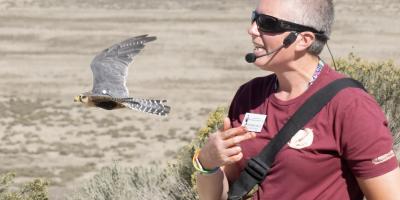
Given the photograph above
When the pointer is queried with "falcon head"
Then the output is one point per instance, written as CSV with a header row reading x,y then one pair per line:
x,y
82,99
87,99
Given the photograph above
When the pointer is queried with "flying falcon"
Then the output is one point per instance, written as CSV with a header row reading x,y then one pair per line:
x,y
110,70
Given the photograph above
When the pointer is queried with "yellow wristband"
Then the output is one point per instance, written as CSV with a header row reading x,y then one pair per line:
x,y
197,165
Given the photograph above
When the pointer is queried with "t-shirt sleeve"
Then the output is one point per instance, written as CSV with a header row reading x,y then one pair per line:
x,y
364,139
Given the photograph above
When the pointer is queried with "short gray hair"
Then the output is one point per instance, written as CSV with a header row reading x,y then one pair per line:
x,y
318,14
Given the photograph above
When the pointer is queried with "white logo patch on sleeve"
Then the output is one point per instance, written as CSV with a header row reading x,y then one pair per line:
x,y
383,158
303,138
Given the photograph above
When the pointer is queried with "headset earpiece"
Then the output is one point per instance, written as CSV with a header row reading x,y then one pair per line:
x,y
290,39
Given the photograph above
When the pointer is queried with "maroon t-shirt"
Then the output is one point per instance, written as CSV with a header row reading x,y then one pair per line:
x,y
348,138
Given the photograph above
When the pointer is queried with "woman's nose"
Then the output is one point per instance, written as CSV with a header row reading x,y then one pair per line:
x,y
253,30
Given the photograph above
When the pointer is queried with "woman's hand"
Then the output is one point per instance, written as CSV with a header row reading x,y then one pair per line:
x,y
222,147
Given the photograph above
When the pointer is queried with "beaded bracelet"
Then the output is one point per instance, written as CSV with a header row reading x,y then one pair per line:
x,y
197,165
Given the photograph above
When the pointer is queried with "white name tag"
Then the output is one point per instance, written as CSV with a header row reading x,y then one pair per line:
x,y
253,122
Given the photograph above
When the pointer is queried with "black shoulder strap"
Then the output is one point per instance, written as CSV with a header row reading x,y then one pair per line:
x,y
258,166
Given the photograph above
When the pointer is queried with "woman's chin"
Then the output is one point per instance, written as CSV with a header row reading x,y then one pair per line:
x,y
263,63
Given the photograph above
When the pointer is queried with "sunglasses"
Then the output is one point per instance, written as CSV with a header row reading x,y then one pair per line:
x,y
270,24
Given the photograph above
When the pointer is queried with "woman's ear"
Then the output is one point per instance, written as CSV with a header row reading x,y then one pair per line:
x,y
306,40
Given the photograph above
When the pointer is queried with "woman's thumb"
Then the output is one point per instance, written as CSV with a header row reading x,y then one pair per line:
x,y
227,124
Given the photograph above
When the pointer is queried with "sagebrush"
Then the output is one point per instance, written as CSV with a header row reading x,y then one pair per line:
x,y
34,190
117,183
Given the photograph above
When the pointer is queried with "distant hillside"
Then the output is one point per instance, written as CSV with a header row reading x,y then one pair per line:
x,y
128,4
356,6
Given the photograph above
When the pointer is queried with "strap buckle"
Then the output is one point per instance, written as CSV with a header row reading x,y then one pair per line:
x,y
257,169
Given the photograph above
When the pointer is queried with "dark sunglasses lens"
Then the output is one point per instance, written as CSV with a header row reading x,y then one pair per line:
x,y
268,24
253,16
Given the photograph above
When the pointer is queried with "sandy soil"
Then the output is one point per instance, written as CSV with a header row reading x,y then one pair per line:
x,y
197,63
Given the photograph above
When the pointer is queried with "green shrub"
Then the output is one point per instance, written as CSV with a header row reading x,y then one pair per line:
x,y
34,190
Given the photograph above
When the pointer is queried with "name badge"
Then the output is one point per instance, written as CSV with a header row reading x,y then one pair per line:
x,y
253,122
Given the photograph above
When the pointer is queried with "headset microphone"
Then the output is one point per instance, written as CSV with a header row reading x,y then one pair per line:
x,y
251,57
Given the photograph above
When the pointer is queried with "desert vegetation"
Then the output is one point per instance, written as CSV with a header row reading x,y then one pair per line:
x,y
33,190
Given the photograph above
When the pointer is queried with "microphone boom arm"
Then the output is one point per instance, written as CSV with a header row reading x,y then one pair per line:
x,y
251,57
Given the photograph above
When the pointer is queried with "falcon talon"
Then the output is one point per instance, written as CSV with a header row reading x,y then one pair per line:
x,y
110,70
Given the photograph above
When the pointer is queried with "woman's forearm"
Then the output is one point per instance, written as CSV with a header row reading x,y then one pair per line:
x,y
213,187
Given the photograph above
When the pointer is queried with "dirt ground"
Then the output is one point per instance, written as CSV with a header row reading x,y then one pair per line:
x,y
196,63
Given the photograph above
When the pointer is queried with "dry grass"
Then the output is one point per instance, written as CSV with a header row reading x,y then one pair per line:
x,y
120,183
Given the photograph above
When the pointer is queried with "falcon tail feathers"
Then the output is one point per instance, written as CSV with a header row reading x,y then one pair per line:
x,y
156,107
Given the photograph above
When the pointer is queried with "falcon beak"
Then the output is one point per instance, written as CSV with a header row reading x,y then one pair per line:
x,y
77,99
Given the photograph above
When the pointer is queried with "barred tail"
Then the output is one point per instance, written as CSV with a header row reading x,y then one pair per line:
x,y
147,105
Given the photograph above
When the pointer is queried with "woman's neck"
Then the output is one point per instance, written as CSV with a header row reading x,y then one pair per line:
x,y
296,79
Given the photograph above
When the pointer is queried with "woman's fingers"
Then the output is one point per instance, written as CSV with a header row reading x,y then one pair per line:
x,y
233,151
233,141
233,132
222,146
227,124
235,158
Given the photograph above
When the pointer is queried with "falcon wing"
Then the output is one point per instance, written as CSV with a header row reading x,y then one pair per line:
x,y
110,67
